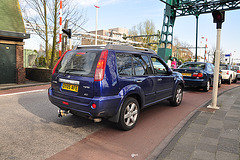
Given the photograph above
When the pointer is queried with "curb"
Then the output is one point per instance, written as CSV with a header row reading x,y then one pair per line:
x,y
22,85
176,133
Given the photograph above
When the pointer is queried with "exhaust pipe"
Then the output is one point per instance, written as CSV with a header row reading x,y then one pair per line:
x,y
62,113
97,120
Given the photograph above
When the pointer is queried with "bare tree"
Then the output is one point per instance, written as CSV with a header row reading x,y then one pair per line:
x,y
42,16
145,28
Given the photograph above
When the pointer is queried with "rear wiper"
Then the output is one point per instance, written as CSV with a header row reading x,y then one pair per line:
x,y
71,69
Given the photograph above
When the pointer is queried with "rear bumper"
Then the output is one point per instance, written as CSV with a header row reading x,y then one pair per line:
x,y
225,77
195,82
105,106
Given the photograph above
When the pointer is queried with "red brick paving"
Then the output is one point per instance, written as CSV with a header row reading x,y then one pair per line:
x,y
154,124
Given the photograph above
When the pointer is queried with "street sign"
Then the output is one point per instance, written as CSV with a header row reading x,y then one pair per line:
x,y
227,55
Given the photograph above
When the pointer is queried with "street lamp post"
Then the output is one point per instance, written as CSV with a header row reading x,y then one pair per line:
x,y
96,22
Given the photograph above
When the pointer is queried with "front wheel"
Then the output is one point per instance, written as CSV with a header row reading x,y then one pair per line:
x,y
219,83
235,80
178,96
129,114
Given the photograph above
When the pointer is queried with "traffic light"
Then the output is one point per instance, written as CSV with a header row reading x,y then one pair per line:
x,y
68,32
218,17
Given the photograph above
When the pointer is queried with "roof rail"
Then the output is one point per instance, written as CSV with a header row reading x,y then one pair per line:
x,y
116,47
90,47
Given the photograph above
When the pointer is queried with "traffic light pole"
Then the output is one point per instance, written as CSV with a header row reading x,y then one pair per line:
x,y
216,73
218,18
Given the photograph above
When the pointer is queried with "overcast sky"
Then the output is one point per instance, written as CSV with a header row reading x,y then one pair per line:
x,y
127,13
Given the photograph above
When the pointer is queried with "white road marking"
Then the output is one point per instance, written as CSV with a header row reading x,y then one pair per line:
x,y
10,94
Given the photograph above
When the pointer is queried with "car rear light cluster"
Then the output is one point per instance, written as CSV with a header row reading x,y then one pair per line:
x,y
101,65
197,74
93,106
238,71
227,72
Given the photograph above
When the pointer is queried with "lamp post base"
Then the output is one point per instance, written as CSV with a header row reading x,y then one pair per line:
x,y
213,107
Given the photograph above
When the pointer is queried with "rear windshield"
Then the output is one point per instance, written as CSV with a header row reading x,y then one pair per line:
x,y
79,63
193,66
224,67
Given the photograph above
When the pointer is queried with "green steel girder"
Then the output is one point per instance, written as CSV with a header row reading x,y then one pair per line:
x,y
166,38
197,7
177,8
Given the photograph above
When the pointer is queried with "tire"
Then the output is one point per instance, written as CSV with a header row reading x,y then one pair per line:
x,y
207,87
235,80
129,114
178,96
219,83
229,80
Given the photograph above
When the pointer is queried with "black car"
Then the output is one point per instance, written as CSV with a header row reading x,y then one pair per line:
x,y
198,74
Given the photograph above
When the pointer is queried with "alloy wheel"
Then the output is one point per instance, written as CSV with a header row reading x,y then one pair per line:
x,y
130,114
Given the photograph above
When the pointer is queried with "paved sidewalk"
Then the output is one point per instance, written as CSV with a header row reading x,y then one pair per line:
x,y
28,83
209,134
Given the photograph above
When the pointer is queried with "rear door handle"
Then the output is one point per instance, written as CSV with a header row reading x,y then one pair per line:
x,y
160,79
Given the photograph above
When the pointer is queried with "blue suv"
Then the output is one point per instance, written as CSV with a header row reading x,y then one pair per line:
x,y
112,82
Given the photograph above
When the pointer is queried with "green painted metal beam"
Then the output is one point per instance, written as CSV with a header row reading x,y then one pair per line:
x,y
197,7
177,8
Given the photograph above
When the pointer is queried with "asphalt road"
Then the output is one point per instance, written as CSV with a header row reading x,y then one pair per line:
x,y
30,128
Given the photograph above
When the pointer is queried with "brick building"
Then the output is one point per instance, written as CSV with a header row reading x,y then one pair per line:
x,y
12,34
103,36
182,53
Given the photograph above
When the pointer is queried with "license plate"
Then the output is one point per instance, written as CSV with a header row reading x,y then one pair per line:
x,y
187,74
70,87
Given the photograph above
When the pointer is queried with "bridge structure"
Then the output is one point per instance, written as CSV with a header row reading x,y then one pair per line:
x,y
178,8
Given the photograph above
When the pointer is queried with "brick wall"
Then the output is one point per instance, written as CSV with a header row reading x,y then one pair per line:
x,y
20,70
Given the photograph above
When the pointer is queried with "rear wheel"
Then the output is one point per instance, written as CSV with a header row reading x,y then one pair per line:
x,y
178,96
129,114
207,87
229,80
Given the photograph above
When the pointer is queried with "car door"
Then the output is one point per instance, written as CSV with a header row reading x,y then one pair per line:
x,y
133,69
210,71
143,74
163,81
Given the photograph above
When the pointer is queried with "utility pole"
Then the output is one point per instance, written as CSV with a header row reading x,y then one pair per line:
x,y
218,17
196,52
60,29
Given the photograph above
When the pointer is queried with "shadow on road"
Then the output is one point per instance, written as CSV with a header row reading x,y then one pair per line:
x,y
39,105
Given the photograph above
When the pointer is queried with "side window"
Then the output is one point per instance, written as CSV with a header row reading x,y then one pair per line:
x,y
141,65
124,64
212,66
158,67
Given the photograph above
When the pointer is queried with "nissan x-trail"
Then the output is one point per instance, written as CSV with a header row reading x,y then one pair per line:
x,y
112,82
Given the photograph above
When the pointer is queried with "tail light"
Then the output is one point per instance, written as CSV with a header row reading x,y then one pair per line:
x,y
54,69
197,74
101,65
238,71
227,72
